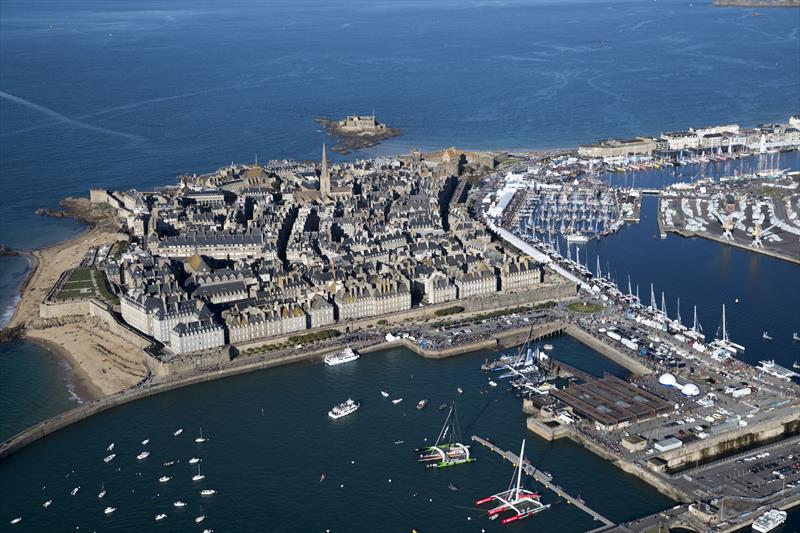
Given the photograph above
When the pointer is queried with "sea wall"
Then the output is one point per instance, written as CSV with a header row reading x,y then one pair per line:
x,y
627,361
703,450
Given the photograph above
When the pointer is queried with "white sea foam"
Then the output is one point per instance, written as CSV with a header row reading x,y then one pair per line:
x,y
9,312
69,376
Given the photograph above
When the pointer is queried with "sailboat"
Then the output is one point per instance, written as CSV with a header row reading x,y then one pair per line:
x,y
448,449
102,492
198,476
766,336
724,341
201,439
521,502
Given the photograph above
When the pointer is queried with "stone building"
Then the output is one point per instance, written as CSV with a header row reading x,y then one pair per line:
x,y
520,275
476,283
198,336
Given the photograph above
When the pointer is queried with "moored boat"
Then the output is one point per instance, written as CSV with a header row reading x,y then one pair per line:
x,y
769,521
421,404
340,357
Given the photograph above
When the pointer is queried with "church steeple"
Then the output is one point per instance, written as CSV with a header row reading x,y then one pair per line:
x,y
324,177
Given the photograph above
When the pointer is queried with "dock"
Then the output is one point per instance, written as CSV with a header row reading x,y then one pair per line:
x,y
545,480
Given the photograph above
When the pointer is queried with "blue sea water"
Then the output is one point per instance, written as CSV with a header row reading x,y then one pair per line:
x,y
123,94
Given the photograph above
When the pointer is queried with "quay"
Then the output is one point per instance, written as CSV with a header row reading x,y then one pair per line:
x,y
545,480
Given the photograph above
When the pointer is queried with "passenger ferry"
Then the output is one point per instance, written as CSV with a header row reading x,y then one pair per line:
x,y
769,521
344,409
344,356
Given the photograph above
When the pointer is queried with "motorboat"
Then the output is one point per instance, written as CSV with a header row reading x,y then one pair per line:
x,y
145,442
207,492
397,400
421,404
164,479
343,409
179,504
201,439
384,394
109,458
460,390
199,519
547,347
178,432
102,493
194,460
47,504
169,463
16,521
160,516
109,510
492,383
74,491
143,455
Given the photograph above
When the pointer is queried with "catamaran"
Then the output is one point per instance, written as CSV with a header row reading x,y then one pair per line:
x,y
517,500
448,449
724,341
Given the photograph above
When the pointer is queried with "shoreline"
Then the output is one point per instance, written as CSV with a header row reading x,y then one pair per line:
x,y
85,389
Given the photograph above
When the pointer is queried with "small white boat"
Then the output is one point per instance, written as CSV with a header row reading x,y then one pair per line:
x,y
160,516
460,390
199,519
766,336
47,504
397,400
164,479
74,491
179,504
201,438
109,510
143,455
194,460
178,432
110,458
102,493
384,394
207,492
547,347
198,476
169,463
110,447
145,442
421,404
208,531
492,383
15,521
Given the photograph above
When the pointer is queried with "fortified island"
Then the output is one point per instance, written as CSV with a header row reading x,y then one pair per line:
x,y
445,252
356,132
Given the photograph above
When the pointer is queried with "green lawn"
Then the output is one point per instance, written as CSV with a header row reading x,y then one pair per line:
x,y
584,307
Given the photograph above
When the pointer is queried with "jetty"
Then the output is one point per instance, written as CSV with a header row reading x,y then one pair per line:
x,y
546,481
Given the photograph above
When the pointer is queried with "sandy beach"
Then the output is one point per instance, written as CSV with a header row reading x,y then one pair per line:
x,y
102,362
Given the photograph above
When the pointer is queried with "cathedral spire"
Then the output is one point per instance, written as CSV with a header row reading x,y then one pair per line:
x,y
324,177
